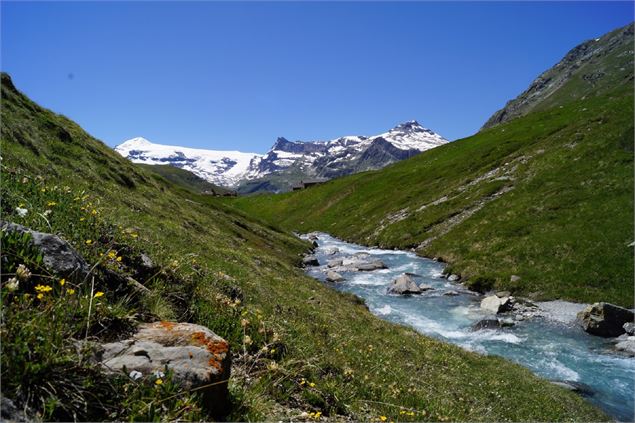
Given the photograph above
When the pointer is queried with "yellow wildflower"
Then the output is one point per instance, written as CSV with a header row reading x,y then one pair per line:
x,y
94,212
312,385
99,294
62,282
43,288
158,382
119,259
51,203
89,241
70,291
40,296
383,418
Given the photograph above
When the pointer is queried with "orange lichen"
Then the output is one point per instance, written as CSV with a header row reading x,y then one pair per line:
x,y
215,348
167,325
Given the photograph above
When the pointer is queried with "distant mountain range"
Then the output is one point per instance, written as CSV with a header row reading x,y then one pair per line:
x,y
288,162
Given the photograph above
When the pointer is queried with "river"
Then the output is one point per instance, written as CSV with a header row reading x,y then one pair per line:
x,y
551,345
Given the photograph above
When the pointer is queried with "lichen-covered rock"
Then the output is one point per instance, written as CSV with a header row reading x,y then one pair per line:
x,y
453,278
57,254
604,319
404,285
197,357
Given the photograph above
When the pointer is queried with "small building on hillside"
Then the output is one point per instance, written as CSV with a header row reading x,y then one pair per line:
x,y
305,183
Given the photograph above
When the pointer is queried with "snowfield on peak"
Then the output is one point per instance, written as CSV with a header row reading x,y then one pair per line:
x,y
224,168
289,161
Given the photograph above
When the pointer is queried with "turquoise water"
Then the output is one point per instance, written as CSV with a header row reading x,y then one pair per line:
x,y
552,345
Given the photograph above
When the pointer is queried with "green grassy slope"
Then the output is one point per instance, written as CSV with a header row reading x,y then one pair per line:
x,y
298,345
185,179
547,197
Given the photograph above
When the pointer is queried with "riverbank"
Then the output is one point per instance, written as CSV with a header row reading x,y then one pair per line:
x,y
547,341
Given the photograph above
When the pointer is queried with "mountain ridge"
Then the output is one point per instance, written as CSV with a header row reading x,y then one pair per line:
x,y
289,160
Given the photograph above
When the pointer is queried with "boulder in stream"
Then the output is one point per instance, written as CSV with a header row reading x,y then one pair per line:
x,y
453,277
404,285
332,276
310,261
496,304
604,319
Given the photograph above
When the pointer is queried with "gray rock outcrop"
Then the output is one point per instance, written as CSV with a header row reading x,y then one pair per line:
x,y
57,254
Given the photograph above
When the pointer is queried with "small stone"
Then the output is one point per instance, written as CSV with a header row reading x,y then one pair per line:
x,y
453,278
332,276
514,278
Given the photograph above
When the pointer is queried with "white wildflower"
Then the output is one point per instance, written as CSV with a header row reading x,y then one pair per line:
x,y
13,284
158,374
21,212
23,273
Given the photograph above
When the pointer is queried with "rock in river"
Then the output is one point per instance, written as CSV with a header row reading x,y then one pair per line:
x,y
404,285
604,319
453,278
197,357
310,261
332,276
496,304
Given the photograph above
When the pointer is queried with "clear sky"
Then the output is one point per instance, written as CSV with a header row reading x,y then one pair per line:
x,y
235,76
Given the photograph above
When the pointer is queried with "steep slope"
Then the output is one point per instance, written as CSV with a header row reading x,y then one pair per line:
x,y
185,179
298,345
592,68
547,197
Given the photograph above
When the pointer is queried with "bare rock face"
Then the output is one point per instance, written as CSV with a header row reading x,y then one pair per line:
x,y
604,319
57,254
197,357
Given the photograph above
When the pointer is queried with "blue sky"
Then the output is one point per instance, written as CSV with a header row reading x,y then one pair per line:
x,y
235,76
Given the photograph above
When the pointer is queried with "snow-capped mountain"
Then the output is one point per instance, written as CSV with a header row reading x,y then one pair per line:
x,y
345,155
224,168
287,162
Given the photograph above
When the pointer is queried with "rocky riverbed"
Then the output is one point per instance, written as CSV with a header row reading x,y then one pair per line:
x,y
546,337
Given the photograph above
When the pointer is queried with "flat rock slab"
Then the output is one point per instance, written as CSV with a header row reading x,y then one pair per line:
x,y
197,357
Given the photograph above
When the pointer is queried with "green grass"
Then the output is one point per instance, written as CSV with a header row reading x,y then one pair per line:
x,y
185,179
563,222
298,346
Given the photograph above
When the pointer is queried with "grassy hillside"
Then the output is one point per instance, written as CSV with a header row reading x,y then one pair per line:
x,y
298,346
547,197
185,179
